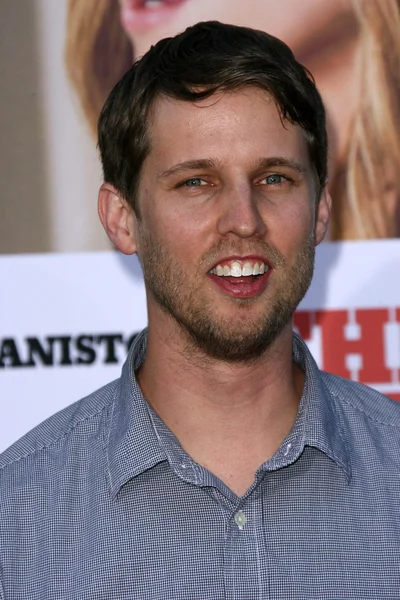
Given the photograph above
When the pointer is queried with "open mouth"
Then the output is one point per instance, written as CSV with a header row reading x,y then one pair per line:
x,y
139,15
241,278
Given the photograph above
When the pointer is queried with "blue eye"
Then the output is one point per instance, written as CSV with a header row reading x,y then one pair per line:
x,y
194,182
274,179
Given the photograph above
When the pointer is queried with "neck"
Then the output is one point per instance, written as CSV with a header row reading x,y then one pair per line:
x,y
240,412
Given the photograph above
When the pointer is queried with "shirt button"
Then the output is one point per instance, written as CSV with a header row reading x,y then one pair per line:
x,y
240,519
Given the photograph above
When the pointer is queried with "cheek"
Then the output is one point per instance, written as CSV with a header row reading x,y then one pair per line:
x,y
290,225
190,220
183,234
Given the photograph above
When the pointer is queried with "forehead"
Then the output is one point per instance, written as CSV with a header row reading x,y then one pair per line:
x,y
236,124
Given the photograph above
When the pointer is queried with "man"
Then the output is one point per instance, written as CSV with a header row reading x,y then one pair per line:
x,y
223,463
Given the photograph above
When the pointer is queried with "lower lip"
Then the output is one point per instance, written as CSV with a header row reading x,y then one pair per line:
x,y
241,287
136,17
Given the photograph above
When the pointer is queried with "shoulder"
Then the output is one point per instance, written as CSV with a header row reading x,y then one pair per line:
x,y
77,419
364,401
369,431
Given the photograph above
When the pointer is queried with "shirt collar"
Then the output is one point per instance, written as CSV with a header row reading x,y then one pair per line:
x,y
134,446
318,423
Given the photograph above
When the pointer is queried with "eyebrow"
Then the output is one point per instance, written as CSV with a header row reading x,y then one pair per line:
x,y
281,161
210,163
190,165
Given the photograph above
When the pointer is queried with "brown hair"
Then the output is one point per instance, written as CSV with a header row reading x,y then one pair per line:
x,y
206,58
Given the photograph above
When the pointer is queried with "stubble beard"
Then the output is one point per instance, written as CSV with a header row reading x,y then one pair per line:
x,y
214,336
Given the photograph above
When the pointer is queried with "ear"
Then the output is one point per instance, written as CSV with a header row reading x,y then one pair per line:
x,y
322,216
117,218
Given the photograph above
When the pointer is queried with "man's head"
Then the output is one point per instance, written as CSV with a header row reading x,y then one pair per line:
x,y
215,142
193,65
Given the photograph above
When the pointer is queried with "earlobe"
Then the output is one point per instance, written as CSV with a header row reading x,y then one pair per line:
x,y
323,214
117,218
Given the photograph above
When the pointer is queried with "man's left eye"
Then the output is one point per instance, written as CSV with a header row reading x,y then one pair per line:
x,y
194,182
274,179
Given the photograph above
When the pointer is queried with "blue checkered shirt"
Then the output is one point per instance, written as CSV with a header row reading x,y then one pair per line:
x,y
101,502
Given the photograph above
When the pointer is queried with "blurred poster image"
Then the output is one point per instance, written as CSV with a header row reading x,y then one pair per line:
x,y
78,49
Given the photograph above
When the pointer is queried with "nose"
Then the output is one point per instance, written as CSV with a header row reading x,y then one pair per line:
x,y
240,212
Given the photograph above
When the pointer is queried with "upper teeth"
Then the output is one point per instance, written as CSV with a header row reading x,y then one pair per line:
x,y
238,270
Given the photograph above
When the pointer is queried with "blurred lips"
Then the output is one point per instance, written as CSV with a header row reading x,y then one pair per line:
x,y
137,15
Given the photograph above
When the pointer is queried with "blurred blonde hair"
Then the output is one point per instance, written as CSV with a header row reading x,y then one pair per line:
x,y
97,52
366,196
366,188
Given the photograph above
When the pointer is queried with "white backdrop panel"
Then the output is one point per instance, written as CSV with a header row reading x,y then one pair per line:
x,y
66,321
